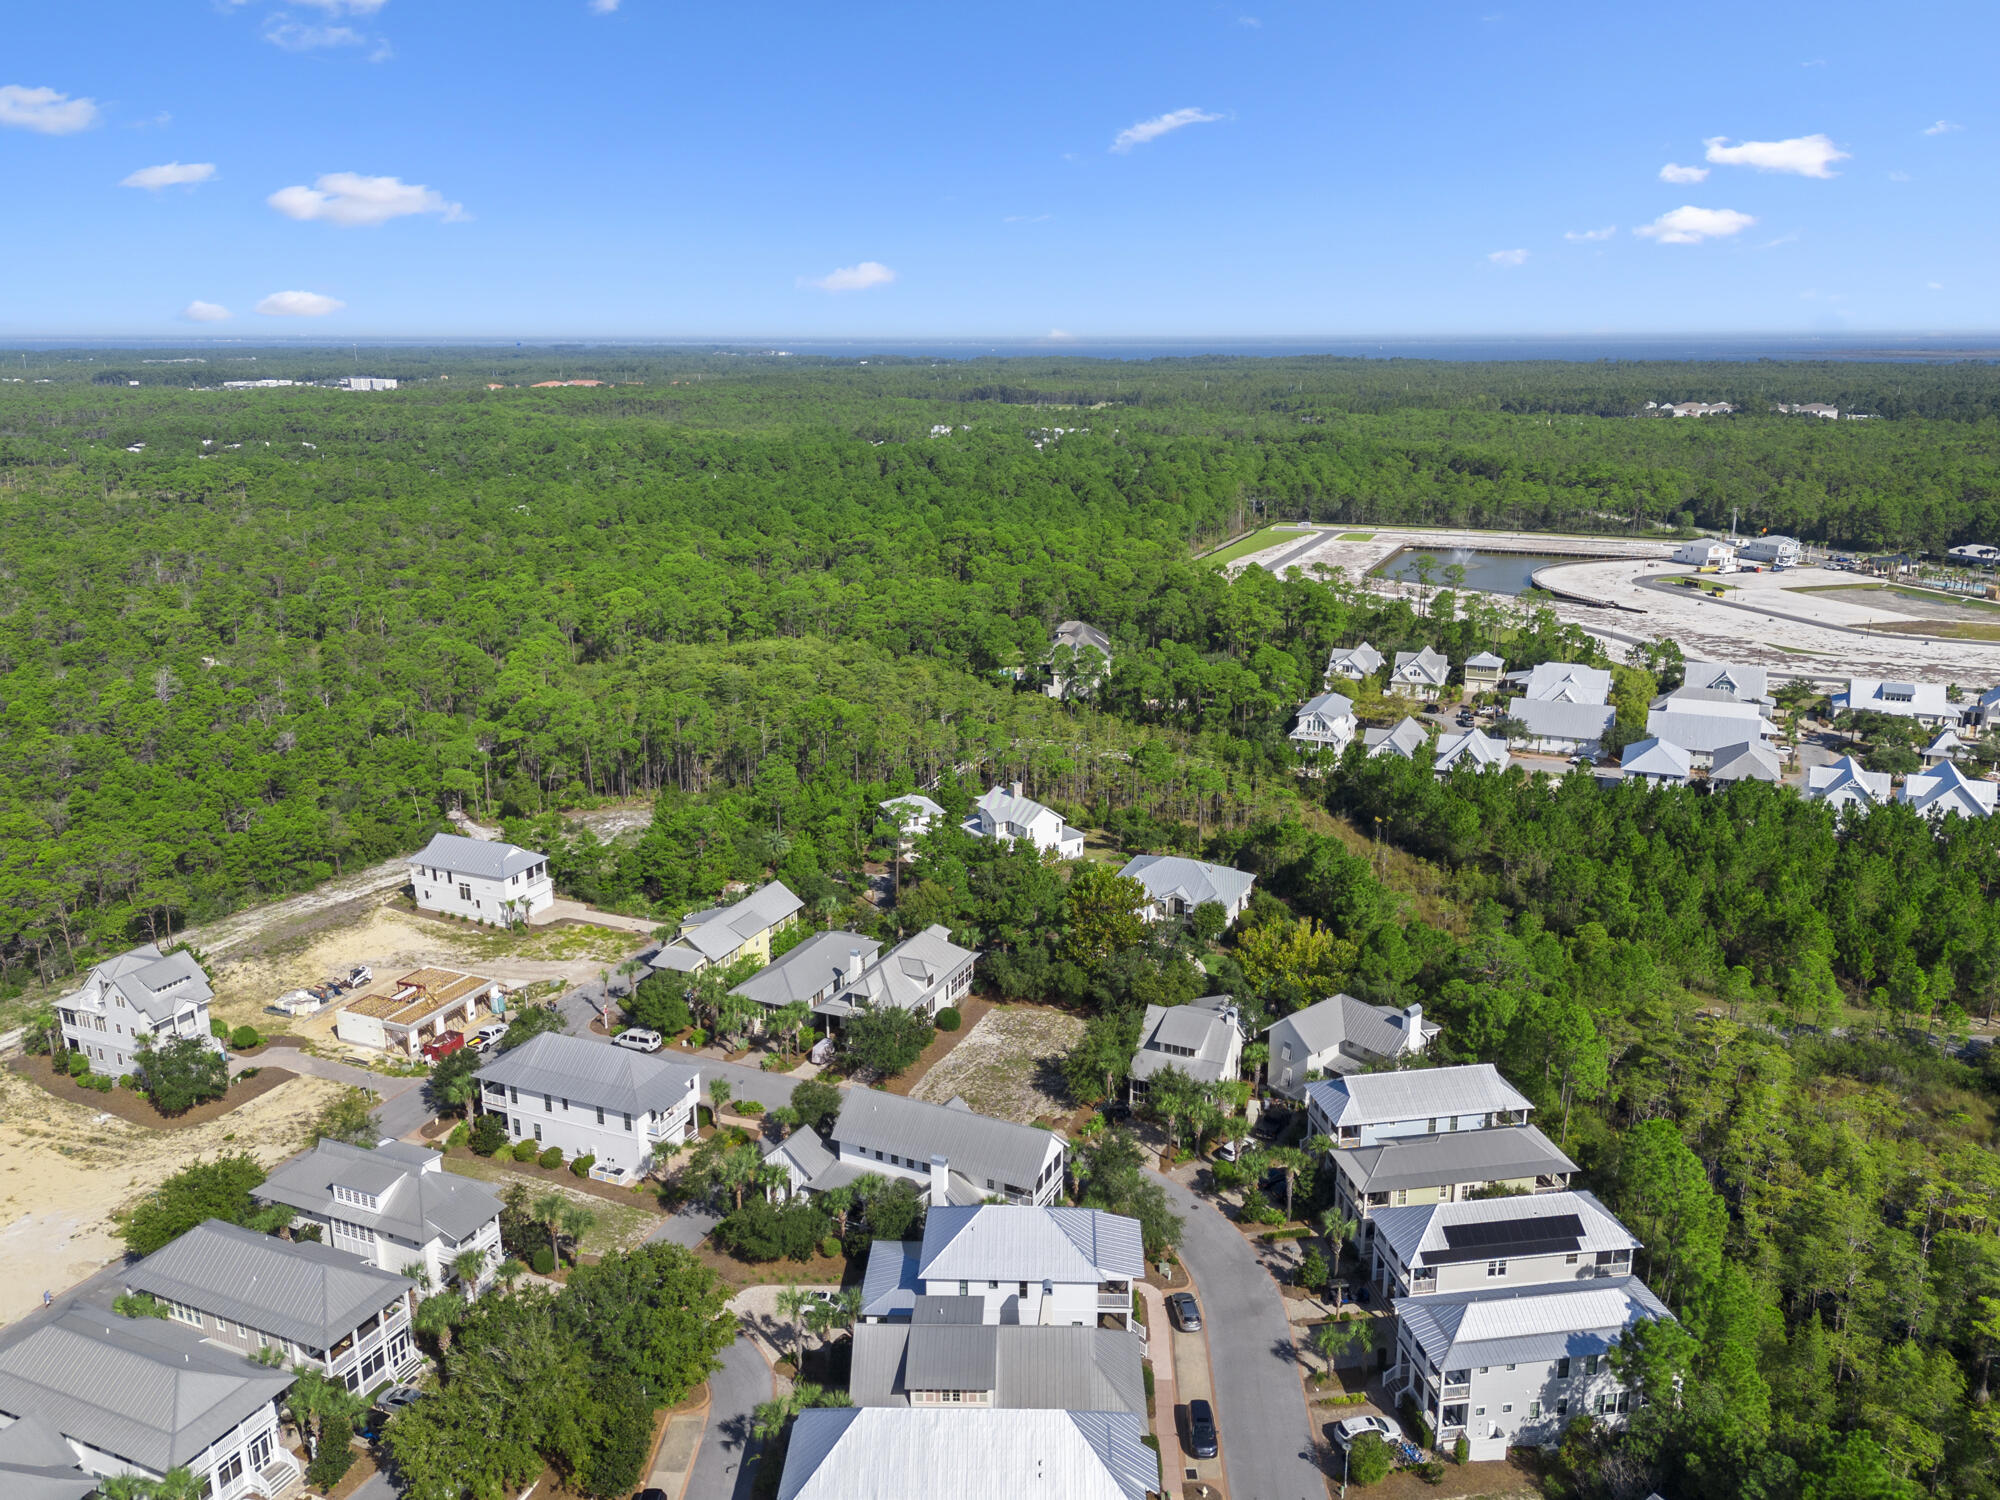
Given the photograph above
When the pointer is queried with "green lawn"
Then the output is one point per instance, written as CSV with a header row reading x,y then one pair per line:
x,y
618,1227
1257,541
1356,536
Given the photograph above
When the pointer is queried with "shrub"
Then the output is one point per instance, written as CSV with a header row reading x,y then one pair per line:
x,y
100,1081
1312,1270
582,1165
78,1065
1430,1471
949,1019
334,1457
1461,1450
550,1159
697,1038
129,1081
1415,1421
1369,1459
543,1261
761,1230
817,1103
243,1038
1146,1373
751,1107
830,1247
459,1133
219,1030
775,1062
488,1136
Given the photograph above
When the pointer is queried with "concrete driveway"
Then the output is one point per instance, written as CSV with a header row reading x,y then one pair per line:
x,y
403,1105
1260,1406
725,1467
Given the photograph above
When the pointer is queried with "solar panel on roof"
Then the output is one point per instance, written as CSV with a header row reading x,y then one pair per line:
x,y
1545,1235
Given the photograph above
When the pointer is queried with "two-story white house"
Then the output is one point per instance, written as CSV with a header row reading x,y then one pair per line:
x,y
1419,674
1926,702
1325,722
395,1207
142,1396
141,996
1848,783
1004,813
912,816
1405,741
1340,1035
1470,747
588,1099
838,974
1656,762
1040,1266
1353,663
1371,1107
720,935
1203,1039
1176,886
482,880
952,1154
1945,790
1564,682
314,1304
946,1355
1484,1243
1079,659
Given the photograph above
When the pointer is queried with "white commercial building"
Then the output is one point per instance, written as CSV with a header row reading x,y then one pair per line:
x,y
481,879
1707,554
141,996
589,1099
1770,552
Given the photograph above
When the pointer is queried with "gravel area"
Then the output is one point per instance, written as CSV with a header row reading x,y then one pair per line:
x,y
1008,1065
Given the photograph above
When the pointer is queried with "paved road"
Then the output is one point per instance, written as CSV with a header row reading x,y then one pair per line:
x,y
580,1008
404,1105
725,1468
1259,1404
688,1225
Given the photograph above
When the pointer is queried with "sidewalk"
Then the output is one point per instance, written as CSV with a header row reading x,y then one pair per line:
x,y
680,1441
1166,1387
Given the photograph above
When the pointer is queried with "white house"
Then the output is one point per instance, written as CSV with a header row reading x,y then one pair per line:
x,y
1770,552
1049,1267
967,1453
926,972
1419,674
393,1206
1079,659
1946,789
1003,813
1745,684
1564,682
1507,1366
1948,745
1985,713
312,1303
481,879
1324,723
1352,663
1203,1039
1340,1035
720,935
1404,741
1176,886
1702,553
1553,727
1847,783
1476,748
944,1356
1450,1168
1372,1107
140,996
592,1100
1701,721
1656,762
1923,701
1488,1243
912,815
958,1157
1753,760
142,1396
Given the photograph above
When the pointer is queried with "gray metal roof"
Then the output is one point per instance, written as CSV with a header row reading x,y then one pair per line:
x,y
910,975
1845,781
819,963
718,931
1416,1094
1191,880
1705,729
309,1293
1520,1325
484,857
913,807
1547,719
1485,659
1378,1029
1418,1229
1752,760
150,1391
1078,634
1566,682
1206,1027
1406,739
37,1464
1426,666
1750,684
977,1145
418,1203
1356,661
1068,1368
890,1283
806,1151
967,1453
1946,789
1017,1242
587,1072
1001,804
1656,757
1506,1153
1474,746
155,984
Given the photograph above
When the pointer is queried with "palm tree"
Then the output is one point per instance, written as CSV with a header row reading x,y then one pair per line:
x,y
576,1223
508,1272
793,1304
468,1266
547,1212
438,1318
719,1094
827,1316
1338,1229
840,1203
787,1021
316,1399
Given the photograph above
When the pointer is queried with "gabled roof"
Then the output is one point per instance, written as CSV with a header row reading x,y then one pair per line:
x,y
305,1292
151,1391
1416,1094
1845,781
36,1463
977,1453
417,1204
976,1145
1059,1368
1706,727
1548,719
1003,806
1016,1242
805,1151
1873,695
890,1283
909,973
155,984
1487,660
1206,1027
1426,666
488,858
1753,760
1328,709
719,931
590,1073
1949,790
1566,682
1540,1224
1474,746
1947,741
1749,684
1378,1029
1406,739
1354,661
800,975
1078,634
1656,757
1506,1153
1461,1330
1191,880
911,808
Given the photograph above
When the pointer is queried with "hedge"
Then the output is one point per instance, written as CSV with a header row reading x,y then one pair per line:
x,y
551,1158
582,1165
949,1019
543,1260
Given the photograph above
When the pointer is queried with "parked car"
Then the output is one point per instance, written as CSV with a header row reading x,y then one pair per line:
x,y
652,1494
1201,1429
487,1036
443,1045
1271,1124
1185,1311
396,1398
637,1040
1345,1432
1433,708
1229,1151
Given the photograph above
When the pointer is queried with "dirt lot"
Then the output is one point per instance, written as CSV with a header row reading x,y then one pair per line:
x,y
130,1105
66,1168
618,1226
1007,1066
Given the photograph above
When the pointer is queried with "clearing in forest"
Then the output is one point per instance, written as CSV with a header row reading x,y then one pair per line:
x,y
1009,1065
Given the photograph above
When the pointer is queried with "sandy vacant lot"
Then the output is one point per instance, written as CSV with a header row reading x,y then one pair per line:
x,y
65,1170
1007,1066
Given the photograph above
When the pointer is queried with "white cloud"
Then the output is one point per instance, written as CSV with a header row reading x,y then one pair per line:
x,y
1061,336
1674,172
1899,176
1935,286
856,278
299,305
1507,257
1803,155
1690,226
1251,21
1943,127
300,36
1591,234
603,7
206,312
45,111
349,199
171,174
1159,125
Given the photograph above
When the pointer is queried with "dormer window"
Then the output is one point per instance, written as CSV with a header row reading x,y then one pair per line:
x,y
355,1196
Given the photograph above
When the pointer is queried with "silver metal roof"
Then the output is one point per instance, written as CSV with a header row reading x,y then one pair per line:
x,y
1566,682
1419,1228
1416,1094
587,1072
1474,745
1068,1368
417,1204
150,1391
1191,880
978,1453
890,1283
800,976
1462,1330
1506,1153
1845,781
488,858
1206,1027
309,1293
1703,728
719,931
1946,789
977,1145
1427,666
1016,1242
910,974
1549,719
1378,1029
1080,633
1406,739
1655,757
155,984
1751,760
1355,661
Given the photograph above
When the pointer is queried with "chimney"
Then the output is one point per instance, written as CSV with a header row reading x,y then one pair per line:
x,y
940,1182
1413,1021
1015,787
853,965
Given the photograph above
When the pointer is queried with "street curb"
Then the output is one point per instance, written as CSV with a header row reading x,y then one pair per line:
x,y
707,1404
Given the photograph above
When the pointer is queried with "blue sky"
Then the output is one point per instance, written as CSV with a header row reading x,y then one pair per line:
x,y
660,168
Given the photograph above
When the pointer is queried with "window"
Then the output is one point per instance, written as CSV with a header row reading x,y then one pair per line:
x,y
1506,1407
1562,1408
465,893
548,1104
1572,1258
600,1114
965,1289
1592,1363
1562,1368
229,1470
1496,1268
628,1122
538,1130
1479,1411
1534,1410
1024,1289
1402,1196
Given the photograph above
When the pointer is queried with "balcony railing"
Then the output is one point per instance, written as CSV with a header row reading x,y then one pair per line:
x,y
1114,1302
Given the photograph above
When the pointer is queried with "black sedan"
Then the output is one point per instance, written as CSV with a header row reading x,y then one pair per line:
x,y
1185,1312
1201,1429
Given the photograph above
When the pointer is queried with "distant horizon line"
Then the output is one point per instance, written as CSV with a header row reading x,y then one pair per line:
x,y
25,340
